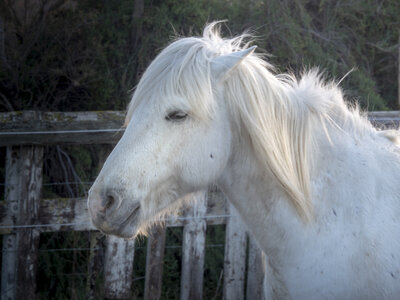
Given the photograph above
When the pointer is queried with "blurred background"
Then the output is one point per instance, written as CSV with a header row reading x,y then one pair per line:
x,y
66,55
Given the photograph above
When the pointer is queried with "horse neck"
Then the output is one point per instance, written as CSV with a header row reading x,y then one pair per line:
x,y
253,188
261,201
255,193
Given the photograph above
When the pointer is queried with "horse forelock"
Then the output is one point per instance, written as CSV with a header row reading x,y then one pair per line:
x,y
276,110
182,69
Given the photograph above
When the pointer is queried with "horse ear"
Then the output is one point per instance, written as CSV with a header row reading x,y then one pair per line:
x,y
221,65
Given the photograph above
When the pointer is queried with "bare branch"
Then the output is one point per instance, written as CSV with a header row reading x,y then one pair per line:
x,y
7,104
391,49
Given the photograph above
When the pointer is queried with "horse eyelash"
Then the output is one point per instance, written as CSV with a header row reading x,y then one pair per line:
x,y
176,116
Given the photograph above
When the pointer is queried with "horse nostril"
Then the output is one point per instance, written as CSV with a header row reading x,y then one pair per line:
x,y
109,202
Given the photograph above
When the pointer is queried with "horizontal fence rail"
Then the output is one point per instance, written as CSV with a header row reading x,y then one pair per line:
x,y
71,214
104,127
24,216
50,128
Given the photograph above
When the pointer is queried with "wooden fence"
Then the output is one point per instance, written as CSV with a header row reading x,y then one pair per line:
x,y
24,215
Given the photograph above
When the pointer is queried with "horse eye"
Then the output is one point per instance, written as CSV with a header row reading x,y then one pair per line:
x,y
176,116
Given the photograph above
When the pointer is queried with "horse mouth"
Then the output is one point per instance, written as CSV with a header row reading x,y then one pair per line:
x,y
126,227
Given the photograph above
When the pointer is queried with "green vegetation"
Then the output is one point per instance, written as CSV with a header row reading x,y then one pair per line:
x,y
88,55
63,265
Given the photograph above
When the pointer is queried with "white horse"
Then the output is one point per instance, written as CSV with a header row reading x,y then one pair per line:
x,y
316,184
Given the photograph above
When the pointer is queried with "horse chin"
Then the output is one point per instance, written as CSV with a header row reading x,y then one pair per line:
x,y
121,226
128,228
127,233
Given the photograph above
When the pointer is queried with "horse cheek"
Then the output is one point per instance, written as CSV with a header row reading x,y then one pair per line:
x,y
203,163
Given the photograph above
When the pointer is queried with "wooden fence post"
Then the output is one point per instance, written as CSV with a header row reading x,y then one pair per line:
x,y
118,267
235,256
96,265
8,271
255,272
23,189
27,238
193,249
154,263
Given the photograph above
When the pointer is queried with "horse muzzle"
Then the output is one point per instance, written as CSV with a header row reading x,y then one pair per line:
x,y
109,215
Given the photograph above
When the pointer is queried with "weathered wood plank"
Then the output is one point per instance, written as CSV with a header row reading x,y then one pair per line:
x,y
193,249
9,259
65,214
101,127
235,257
30,173
95,267
118,267
60,214
71,214
385,119
23,189
154,263
255,272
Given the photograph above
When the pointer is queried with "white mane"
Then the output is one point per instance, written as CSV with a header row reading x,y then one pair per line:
x,y
276,110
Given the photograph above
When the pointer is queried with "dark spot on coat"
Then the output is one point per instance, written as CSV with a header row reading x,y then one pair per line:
x,y
211,155
334,212
391,274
